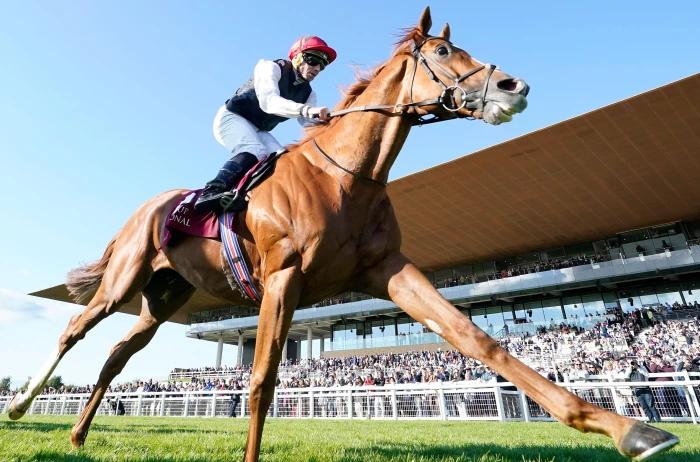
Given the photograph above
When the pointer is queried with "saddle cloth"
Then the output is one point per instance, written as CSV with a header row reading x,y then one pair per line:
x,y
183,219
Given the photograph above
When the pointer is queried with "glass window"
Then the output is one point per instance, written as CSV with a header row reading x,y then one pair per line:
x,y
648,297
629,302
593,304
507,312
633,236
552,310
612,304
691,294
480,318
573,307
534,312
520,314
585,248
494,316
403,325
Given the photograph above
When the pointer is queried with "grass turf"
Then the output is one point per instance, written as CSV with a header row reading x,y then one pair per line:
x,y
45,438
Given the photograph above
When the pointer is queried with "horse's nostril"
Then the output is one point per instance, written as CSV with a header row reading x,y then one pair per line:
x,y
514,86
507,85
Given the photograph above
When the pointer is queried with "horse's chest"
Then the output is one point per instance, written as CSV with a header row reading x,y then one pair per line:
x,y
345,238
340,256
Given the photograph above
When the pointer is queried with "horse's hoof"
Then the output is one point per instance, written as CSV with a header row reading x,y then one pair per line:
x,y
77,439
643,441
15,412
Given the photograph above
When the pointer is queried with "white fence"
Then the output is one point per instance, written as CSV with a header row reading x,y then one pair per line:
x,y
676,401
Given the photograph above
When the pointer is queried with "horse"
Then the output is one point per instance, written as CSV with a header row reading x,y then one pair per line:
x,y
320,225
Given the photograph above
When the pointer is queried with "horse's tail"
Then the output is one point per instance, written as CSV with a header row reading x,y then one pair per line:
x,y
82,282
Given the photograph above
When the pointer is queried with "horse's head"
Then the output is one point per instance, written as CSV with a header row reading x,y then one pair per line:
x,y
448,82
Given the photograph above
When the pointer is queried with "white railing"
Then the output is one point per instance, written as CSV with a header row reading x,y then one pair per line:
x,y
207,374
676,401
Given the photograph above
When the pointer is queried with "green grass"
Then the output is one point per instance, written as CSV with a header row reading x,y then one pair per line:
x,y
39,438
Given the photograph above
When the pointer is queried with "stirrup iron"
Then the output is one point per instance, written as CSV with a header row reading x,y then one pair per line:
x,y
232,201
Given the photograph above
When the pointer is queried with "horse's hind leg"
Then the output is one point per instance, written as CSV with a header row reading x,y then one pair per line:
x,y
126,274
411,291
165,293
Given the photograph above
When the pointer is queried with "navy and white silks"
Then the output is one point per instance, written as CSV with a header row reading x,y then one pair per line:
x,y
274,94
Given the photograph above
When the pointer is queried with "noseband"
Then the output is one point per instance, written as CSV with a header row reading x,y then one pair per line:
x,y
446,99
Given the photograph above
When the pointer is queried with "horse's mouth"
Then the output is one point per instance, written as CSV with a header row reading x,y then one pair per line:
x,y
497,112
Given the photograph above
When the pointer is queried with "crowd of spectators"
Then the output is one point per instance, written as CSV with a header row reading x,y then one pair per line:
x,y
560,352
551,264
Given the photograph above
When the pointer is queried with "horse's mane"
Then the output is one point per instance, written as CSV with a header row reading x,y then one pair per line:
x,y
351,93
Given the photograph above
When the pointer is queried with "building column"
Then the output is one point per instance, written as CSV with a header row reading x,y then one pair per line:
x,y
239,356
284,350
309,343
298,342
323,344
219,351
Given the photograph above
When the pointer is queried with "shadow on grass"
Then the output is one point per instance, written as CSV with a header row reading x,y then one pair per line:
x,y
473,452
483,452
115,428
34,426
53,456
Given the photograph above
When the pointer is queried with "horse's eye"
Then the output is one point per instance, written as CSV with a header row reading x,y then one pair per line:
x,y
442,50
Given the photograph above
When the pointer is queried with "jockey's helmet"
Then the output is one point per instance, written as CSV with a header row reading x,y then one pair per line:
x,y
313,50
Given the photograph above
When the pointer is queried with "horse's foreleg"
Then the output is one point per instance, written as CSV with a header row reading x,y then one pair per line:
x,y
156,309
412,292
281,297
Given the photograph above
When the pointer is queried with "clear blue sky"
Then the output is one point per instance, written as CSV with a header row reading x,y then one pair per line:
x,y
104,104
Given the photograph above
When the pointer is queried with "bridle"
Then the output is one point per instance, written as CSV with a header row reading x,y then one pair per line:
x,y
446,99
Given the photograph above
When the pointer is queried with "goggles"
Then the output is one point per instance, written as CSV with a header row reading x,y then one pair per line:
x,y
314,59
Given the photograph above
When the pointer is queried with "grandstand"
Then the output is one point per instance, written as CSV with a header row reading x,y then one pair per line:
x,y
441,384
576,224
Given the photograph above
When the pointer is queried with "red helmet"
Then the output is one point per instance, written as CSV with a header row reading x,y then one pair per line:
x,y
312,43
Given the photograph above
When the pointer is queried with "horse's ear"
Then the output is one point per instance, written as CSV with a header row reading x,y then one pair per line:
x,y
425,22
445,32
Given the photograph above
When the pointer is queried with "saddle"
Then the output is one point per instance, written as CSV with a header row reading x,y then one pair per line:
x,y
183,219
237,199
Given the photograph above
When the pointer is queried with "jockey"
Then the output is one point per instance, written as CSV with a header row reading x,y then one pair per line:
x,y
279,90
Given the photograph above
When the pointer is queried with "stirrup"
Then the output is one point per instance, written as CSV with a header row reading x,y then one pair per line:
x,y
232,201
208,202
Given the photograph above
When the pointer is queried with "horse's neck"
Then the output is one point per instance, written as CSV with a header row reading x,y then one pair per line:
x,y
367,143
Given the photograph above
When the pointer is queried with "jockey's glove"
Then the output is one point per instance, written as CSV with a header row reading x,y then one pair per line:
x,y
309,112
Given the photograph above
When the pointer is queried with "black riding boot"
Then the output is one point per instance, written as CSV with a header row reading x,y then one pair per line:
x,y
229,175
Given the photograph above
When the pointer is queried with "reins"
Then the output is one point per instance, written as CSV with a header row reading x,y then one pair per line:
x,y
446,99
350,172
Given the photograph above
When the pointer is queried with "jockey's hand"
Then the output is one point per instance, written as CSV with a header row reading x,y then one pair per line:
x,y
320,113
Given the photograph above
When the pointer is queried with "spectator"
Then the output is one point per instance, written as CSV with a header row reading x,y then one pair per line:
x,y
639,373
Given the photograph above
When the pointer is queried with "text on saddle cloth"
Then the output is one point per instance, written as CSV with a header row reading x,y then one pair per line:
x,y
183,219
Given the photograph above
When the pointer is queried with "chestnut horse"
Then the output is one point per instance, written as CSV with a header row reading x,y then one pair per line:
x,y
323,224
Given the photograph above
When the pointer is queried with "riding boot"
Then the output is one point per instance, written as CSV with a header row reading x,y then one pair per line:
x,y
229,175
